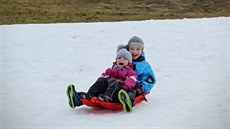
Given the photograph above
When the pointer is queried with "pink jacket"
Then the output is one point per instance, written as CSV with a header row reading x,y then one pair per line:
x,y
125,75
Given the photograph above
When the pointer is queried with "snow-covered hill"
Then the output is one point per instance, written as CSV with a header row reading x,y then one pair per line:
x,y
190,58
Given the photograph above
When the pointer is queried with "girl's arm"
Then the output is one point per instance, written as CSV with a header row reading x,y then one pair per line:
x,y
130,82
106,73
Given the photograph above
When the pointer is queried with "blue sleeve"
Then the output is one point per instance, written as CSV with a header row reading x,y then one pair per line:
x,y
147,80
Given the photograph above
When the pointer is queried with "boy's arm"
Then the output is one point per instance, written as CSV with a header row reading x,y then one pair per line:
x,y
146,83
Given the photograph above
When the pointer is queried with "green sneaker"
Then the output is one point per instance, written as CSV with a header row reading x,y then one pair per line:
x,y
73,96
124,99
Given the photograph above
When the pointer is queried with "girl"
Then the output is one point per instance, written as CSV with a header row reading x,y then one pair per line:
x,y
120,76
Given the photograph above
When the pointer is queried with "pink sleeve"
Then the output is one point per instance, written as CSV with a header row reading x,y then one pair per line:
x,y
107,72
130,82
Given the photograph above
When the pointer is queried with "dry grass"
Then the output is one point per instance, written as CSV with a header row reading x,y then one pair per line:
x,y
56,11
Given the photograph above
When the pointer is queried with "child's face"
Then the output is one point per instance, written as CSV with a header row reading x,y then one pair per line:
x,y
121,62
135,50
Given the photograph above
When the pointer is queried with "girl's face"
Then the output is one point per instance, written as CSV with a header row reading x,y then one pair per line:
x,y
135,50
121,62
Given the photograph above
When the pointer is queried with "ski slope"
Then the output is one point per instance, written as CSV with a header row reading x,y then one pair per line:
x,y
190,58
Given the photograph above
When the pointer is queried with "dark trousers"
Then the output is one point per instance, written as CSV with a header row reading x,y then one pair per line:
x,y
103,86
99,87
113,88
109,88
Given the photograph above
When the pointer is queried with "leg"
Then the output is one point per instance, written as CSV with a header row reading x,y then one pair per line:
x,y
73,96
132,95
99,87
112,90
124,99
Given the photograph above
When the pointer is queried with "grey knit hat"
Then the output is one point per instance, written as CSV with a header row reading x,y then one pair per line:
x,y
136,40
125,54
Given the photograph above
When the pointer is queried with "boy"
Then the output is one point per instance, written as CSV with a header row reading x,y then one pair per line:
x,y
146,78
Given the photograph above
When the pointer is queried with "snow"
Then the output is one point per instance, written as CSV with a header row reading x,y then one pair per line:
x,y
190,58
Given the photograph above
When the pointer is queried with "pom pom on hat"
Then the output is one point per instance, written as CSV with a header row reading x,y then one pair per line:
x,y
122,46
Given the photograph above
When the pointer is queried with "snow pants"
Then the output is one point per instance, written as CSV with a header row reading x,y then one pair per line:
x,y
107,87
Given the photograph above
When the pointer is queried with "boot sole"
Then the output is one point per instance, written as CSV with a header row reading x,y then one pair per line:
x,y
69,90
126,104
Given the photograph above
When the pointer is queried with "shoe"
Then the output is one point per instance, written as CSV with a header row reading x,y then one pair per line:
x,y
73,96
85,95
124,99
104,98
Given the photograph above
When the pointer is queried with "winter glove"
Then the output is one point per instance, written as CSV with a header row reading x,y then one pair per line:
x,y
139,90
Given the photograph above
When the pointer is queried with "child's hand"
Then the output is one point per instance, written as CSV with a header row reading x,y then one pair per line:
x,y
121,83
139,90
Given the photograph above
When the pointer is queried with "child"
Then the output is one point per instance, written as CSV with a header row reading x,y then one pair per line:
x,y
146,78
120,76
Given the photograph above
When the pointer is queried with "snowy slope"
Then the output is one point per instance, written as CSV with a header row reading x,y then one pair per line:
x,y
189,58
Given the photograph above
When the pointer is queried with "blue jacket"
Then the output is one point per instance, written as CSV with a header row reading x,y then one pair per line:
x,y
146,78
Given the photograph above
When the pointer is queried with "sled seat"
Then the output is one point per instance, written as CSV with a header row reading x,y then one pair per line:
x,y
96,103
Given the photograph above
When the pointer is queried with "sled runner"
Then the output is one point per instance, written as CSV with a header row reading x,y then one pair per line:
x,y
96,103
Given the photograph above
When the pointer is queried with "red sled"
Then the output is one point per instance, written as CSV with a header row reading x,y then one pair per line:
x,y
96,103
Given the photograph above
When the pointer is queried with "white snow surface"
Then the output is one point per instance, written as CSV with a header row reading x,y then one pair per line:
x,y
190,58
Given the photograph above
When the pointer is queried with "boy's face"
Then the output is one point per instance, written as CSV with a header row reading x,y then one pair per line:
x,y
135,50
121,62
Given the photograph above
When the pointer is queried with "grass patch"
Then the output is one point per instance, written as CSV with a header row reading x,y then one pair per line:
x,y
63,11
